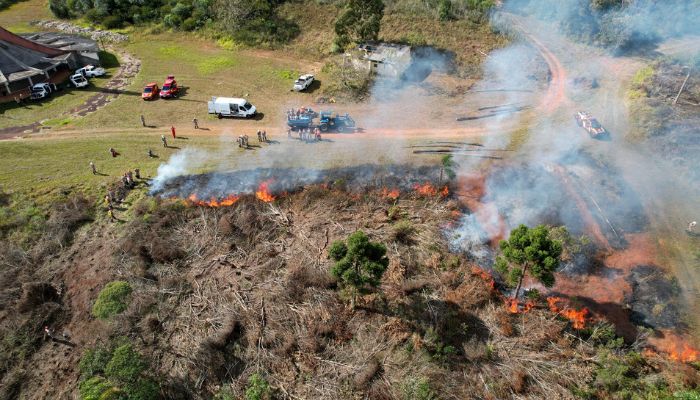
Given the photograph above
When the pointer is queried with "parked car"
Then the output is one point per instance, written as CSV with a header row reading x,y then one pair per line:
x,y
150,91
170,88
42,90
78,80
231,107
303,82
90,71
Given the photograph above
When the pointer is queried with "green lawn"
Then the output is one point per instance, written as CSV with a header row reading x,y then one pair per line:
x,y
16,18
204,70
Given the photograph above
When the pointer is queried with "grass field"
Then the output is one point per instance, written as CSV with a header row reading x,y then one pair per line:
x,y
16,18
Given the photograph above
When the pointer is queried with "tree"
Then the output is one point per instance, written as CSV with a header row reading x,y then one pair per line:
x,y
359,264
359,22
529,250
448,166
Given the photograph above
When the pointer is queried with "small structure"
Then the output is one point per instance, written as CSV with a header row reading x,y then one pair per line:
x,y
25,62
387,58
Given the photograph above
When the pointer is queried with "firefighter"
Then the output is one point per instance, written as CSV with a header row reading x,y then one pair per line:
x,y
150,153
93,168
113,152
172,130
195,123
165,141
49,332
289,133
264,136
110,214
108,200
317,134
259,136
137,173
143,121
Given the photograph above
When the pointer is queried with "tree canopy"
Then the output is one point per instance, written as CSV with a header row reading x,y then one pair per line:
x,y
359,22
529,251
360,263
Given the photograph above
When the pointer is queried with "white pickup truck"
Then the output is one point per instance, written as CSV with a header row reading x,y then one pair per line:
x,y
78,80
303,82
90,71
42,90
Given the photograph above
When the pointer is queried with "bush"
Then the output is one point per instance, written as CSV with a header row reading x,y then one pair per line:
x,y
258,388
404,232
94,361
98,388
111,300
417,389
125,366
113,22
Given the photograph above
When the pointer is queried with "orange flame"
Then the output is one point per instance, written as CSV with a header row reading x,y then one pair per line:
x,y
425,189
263,193
445,192
578,318
213,202
484,276
684,353
392,194
512,306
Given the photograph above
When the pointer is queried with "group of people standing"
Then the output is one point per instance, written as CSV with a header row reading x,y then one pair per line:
x,y
307,134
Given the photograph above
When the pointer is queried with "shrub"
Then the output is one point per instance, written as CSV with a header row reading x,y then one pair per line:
x,y
94,361
98,388
126,365
258,388
404,232
417,389
111,300
113,22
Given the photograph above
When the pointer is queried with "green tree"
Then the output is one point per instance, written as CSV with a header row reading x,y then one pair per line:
x,y
359,264
447,167
360,21
529,251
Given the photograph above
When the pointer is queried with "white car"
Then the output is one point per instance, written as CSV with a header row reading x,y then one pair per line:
x,y
78,80
42,90
90,71
303,82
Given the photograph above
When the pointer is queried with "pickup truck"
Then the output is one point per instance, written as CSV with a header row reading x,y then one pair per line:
x,y
90,71
303,82
42,90
78,80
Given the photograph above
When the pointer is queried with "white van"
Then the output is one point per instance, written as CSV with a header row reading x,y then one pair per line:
x,y
231,107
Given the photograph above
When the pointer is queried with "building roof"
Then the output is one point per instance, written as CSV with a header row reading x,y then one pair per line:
x,y
387,52
63,41
21,58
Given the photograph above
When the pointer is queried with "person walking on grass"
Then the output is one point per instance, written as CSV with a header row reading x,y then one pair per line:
x,y
164,140
143,121
113,152
195,123
137,173
172,130
110,214
93,168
